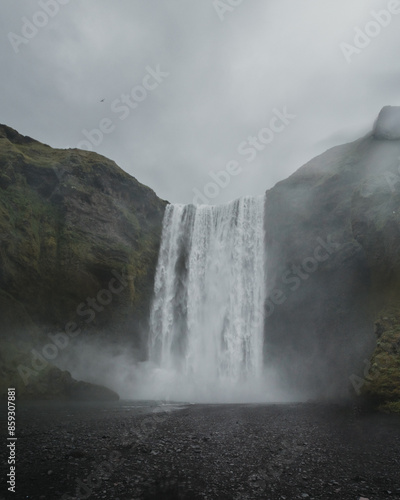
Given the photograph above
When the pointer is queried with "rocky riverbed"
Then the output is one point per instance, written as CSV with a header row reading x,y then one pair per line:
x,y
150,451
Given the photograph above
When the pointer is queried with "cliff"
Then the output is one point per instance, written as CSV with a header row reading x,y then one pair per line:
x,y
333,238
78,247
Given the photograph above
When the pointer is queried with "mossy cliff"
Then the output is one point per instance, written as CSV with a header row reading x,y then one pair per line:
x,y
73,227
337,327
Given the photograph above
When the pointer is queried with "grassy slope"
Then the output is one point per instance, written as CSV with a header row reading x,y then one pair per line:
x,y
68,220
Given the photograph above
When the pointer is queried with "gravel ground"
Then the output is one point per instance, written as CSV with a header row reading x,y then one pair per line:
x,y
146,451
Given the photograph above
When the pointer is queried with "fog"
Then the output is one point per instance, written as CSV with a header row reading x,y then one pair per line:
x,y
117,369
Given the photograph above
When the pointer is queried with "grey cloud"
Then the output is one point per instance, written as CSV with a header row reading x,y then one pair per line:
x,y
225,79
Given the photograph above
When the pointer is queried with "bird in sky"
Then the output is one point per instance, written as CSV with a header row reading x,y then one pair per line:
x,y
102,100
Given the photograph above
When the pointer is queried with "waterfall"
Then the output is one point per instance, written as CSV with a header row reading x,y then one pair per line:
x,y
206,323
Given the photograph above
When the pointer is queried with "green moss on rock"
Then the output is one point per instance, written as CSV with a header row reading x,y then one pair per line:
x,y
382,385
70,221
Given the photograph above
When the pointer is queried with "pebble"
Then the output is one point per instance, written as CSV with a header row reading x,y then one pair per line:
x,y
270,464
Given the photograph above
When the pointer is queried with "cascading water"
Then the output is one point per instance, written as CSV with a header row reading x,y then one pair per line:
x,y
206,325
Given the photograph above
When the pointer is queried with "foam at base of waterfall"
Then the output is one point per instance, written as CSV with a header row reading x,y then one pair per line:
x,y
162,384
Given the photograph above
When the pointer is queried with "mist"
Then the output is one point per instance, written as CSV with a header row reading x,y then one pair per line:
x,y
145,380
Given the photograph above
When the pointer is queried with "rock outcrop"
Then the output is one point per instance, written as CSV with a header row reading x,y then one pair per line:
x,y
387,125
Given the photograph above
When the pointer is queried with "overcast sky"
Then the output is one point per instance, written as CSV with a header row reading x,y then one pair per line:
x,y
200,78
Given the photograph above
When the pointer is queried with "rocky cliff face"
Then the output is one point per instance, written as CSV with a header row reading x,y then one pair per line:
x,y
78,244
333,238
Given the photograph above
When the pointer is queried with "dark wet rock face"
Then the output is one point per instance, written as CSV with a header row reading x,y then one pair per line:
x,y
68,219
322,330
73,227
